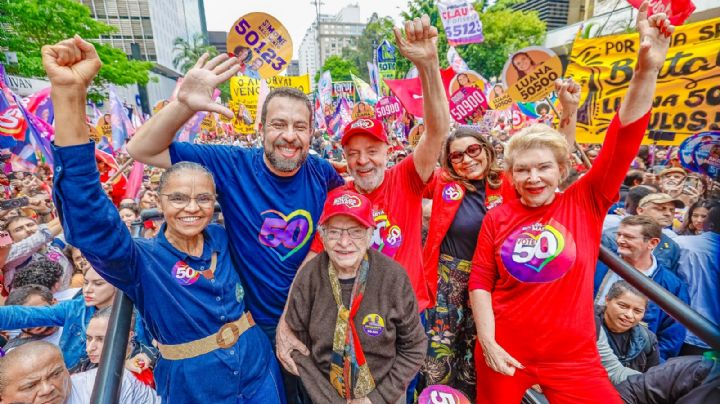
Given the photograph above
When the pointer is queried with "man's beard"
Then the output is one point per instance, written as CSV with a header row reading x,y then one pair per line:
x,y
369,184
283,164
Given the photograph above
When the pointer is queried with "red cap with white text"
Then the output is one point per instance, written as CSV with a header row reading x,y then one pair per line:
x,y
348,203
364,126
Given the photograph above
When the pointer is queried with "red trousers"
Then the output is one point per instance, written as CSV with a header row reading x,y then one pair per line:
x,y
583,382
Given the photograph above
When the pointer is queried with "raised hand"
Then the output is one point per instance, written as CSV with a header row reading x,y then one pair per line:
x,y
655,34
71,63
568,92
197,88
420,42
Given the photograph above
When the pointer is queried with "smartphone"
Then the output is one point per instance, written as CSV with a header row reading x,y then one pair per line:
x,y
692,183
14,203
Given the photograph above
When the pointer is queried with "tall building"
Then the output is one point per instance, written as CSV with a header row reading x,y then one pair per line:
x,y
553,12
150,27
328,36
218,39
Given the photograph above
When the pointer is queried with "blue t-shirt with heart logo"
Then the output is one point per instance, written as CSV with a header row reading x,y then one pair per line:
x,y
271,220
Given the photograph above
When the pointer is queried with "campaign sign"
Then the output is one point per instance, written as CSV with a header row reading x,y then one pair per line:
x,y
690,151
530,73
707,158
461,21
387,106
468,103
362,110
416,133
498,98
441,394
262,41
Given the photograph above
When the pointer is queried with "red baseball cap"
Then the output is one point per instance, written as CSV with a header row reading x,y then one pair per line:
x,y
348,203
364,126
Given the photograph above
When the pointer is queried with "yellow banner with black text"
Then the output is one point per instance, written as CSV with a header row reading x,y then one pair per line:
x,y
687,97
244,93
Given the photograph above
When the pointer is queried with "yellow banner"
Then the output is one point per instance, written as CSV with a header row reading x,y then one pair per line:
x,y
687,97
244,93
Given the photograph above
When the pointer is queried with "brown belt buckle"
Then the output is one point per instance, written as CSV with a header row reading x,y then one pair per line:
x,y
227,336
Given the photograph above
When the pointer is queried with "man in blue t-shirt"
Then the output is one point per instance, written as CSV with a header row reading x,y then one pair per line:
x,y
271,198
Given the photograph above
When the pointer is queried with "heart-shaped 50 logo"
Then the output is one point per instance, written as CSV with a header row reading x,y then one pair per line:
x,y
286,234
539,252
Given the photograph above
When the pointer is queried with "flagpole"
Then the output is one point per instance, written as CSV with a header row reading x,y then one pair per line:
x,y
120,170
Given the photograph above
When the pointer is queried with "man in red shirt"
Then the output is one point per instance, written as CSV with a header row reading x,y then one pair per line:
x,y
396,193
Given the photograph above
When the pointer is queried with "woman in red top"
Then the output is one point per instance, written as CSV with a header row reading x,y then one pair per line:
x,y
468,185
532,273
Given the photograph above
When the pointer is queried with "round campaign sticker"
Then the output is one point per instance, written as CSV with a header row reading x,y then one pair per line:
x,y
539,253
707,157
498,98
262,43
530,73
452,192
441,394
363,110
468,104
387,106
373,324
184,274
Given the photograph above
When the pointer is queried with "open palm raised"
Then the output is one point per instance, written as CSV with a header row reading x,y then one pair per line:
x,y
196,90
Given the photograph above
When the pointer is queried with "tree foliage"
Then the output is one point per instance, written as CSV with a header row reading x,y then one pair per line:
x,y
188,52
506,31
339,67
27,25
375,32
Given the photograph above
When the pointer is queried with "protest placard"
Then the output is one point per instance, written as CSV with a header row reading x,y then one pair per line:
x,y
687,96
530,73
461,21
263,41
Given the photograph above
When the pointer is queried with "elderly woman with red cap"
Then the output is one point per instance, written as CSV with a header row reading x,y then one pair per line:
x,y
355,310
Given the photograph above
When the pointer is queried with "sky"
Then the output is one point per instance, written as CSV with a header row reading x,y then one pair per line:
x,y
295,15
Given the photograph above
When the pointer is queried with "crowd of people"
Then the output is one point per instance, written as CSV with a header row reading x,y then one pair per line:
x,y
289,267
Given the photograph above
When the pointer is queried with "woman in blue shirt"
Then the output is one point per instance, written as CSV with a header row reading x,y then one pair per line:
x,y
73,315
184,283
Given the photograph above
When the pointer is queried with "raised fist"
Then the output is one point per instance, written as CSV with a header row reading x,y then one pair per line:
x,y
71,63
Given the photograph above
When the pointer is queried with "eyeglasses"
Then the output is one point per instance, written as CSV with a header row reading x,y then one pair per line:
x,y
355,233
473,150
180,201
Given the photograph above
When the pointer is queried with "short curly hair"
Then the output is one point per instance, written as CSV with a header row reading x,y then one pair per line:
x,y
39,272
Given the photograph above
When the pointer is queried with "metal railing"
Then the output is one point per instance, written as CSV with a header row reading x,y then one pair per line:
x,y
109,377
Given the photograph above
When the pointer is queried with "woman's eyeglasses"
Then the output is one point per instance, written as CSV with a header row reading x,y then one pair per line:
x,y
180,201
473,150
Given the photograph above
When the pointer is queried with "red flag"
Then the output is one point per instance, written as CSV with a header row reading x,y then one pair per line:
x,y
677,10
409,91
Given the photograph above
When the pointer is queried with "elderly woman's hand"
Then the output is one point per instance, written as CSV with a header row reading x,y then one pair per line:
x,y
499,360
285,343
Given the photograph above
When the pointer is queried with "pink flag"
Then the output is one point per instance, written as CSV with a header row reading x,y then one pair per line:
x,y
135,180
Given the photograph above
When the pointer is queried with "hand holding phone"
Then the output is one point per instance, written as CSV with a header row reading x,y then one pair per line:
x,y
5,239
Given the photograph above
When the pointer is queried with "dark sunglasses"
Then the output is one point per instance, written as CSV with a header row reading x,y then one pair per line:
x,y
473,150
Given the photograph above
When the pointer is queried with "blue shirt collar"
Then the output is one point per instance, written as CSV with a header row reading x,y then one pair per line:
x,y
207,242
